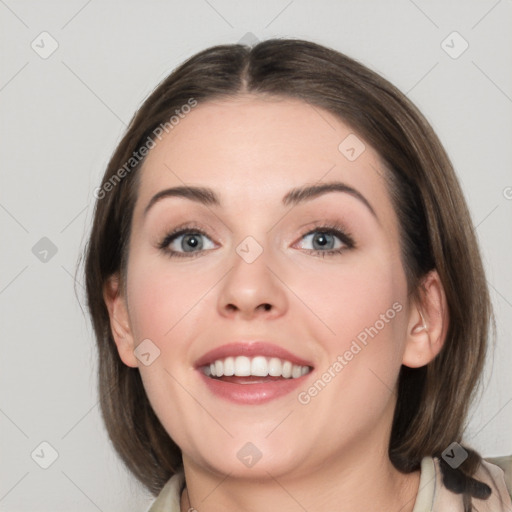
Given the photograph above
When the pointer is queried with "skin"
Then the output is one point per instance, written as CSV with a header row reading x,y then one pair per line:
x,y
331,453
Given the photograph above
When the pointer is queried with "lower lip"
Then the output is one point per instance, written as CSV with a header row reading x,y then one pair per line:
x,y
252,394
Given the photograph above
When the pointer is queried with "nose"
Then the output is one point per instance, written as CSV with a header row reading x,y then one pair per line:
x,y
252,289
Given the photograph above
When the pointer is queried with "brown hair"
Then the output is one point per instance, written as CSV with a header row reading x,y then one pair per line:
x,y
436,233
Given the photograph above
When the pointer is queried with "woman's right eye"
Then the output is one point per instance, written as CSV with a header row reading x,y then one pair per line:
x,y
184,243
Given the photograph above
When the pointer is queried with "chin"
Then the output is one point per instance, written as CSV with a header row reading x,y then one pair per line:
x,y
250,459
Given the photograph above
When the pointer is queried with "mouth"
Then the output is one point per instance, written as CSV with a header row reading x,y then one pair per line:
x,y
252,373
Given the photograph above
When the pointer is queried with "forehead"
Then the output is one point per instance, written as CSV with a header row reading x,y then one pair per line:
x,y
257,148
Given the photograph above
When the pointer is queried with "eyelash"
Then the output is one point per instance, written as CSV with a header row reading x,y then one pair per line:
x,y
326,229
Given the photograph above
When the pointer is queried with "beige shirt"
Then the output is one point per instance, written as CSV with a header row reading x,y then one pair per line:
x,y
432,496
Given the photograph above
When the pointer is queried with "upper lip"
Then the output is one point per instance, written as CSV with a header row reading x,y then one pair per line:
x,y
250,349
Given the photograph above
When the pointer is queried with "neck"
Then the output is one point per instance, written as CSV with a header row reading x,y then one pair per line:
x,y
355,482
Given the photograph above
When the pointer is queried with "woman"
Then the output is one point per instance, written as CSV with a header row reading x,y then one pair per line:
x,y
287,294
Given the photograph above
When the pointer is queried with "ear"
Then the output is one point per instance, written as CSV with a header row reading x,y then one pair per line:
x,y
119,320
428,323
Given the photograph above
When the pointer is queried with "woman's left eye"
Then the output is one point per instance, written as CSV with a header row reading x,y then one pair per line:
x,y
324,240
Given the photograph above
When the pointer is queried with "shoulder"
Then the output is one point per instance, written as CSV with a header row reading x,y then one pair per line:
x,y
488,472
434,496
168,500
502,468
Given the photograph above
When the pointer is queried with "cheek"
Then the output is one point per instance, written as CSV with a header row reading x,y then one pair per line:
x,y
168,307
362,307
164,302
354,296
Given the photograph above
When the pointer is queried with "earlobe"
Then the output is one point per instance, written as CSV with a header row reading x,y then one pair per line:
x,y
428,323
119,320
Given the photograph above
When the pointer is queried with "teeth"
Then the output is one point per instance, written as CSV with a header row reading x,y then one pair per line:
x,y
275,367
258,366
229,366
287,369
242,367
296,371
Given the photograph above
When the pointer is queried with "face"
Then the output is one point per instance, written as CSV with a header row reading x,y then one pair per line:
x,y
275,324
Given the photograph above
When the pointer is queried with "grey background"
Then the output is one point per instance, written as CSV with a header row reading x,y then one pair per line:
x,y
61,119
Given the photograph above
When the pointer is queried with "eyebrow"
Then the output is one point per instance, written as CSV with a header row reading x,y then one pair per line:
x,y
208,197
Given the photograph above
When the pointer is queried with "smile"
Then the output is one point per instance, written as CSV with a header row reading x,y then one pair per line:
x,y
252,373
